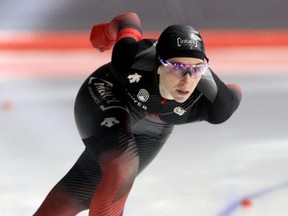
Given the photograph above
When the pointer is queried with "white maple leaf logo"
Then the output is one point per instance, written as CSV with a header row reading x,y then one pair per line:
x,y
109,122
134,78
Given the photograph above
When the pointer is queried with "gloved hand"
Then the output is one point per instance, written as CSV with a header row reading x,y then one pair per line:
x,y
103,36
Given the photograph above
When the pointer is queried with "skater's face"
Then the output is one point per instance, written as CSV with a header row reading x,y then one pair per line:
x,y
178,77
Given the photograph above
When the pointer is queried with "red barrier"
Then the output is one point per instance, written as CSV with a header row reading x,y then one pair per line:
x,y
80,40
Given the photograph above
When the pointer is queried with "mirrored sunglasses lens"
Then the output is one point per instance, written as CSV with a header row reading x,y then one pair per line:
x,y
180,71
175,70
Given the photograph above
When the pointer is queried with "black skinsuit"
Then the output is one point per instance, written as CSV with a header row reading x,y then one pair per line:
x,y
119,111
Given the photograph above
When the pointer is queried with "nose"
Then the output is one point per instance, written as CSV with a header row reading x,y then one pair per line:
x,y
186,79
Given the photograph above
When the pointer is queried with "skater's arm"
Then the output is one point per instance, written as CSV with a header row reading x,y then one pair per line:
x,y
226,101
220,100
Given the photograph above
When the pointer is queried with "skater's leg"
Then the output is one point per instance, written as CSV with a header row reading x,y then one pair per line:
x,y
103,121
150,135
119,171
74,191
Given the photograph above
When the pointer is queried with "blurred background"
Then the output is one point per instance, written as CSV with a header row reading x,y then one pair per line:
x,y
81,15
236,168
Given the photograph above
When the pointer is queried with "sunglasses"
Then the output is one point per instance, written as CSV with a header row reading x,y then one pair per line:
x,y
181,70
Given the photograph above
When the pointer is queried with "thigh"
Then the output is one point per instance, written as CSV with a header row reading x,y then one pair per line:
x,y
73,193
82,179
150,135
97,106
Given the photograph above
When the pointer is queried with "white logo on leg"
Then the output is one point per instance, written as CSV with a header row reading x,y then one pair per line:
x,y
109,122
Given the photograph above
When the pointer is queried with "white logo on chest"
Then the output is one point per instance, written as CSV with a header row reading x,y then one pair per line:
x,y
143,95
179,111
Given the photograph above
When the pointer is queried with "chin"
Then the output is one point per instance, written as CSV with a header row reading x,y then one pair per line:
x,y
181,100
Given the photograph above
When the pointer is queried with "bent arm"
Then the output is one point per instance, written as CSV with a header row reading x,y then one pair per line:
x,y
226,102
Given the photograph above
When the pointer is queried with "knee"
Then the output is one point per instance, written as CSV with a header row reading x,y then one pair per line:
x,y
122,166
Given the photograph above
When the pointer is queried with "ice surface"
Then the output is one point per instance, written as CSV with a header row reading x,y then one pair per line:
x,y
203,170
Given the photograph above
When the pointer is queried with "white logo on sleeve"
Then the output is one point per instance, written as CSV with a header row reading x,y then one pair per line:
x,y
134,78
109,122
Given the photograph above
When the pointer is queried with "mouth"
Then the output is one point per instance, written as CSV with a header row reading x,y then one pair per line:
x,y
182,92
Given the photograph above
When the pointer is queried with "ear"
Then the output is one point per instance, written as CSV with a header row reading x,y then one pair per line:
x,y
158,70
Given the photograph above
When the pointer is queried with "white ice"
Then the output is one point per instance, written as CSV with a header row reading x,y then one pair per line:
x,y
203,170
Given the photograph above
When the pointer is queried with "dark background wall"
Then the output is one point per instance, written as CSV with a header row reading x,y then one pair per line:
x,y
155,14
